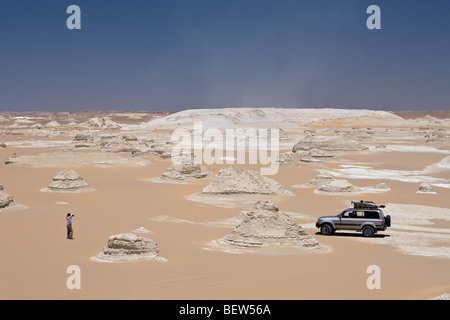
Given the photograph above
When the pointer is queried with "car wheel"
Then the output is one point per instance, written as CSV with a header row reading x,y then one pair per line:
x,y
368,232
326,230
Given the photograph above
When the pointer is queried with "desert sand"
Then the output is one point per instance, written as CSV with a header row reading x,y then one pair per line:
x,y
120,154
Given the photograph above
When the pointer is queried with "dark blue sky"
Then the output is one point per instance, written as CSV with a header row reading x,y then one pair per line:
x,y
179,54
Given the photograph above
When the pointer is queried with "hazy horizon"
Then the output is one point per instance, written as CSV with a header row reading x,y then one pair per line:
x,y
106,110
175,55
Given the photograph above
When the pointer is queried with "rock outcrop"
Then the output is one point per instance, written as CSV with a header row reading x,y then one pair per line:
x,y
6,199
84,140
128,247
151,150
426,188
445,296
286,160
322,178
53,124
68,181
311,143
306,157
337,186
266,226
181,173
116,143
440,136
325,183
236,180
101,123
381,186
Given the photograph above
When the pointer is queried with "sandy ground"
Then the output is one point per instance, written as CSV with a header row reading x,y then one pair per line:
x,y
35,253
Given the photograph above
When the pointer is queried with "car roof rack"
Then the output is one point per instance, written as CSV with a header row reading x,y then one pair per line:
x,y
366,205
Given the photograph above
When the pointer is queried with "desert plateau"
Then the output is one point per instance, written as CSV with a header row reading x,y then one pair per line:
x,y
149,227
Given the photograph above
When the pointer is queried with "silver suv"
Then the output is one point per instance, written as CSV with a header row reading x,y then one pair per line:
x,y
365,216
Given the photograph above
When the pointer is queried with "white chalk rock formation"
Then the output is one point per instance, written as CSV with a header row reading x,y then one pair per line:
x,y
306,157
322,178
381,186
328,145
37,126
181,173
115,144
102,123
445,296
236,180
440,136
317,153
151,150
53,124
286,160
426,188
337,186
237,117
141,230
84,140
444,163
266,226
6,199
67,181
72,124
128,247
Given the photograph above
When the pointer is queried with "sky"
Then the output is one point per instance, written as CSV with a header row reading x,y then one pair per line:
x,y
171,55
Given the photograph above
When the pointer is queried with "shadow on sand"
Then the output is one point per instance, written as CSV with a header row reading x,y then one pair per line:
x,y
352,234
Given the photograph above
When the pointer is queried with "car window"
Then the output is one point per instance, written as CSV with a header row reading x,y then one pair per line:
x,y
353,214
348,214
372,215
359,214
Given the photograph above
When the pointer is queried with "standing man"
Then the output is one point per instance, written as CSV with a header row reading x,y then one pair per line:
x,y
69,226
